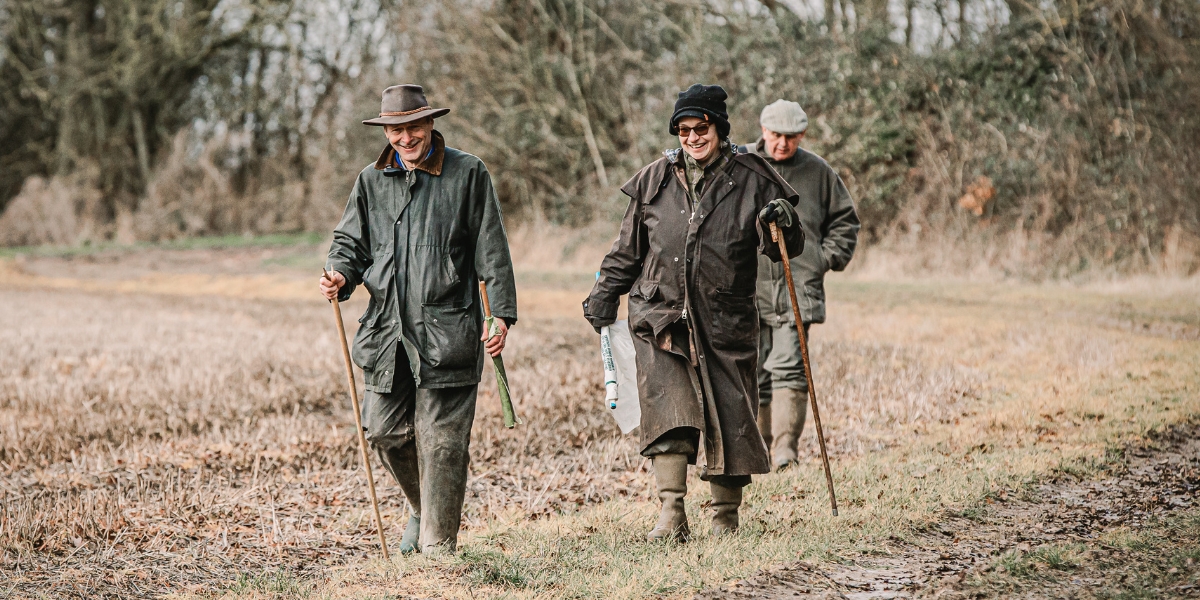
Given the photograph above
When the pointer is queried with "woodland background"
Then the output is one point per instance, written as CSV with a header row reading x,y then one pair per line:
x,y
1049,139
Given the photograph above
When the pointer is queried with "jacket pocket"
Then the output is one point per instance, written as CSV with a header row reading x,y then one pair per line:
x,y
369,342
370,317
451,336
645,289
734,320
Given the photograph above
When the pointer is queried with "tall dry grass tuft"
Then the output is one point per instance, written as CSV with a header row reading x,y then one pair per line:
x,y
194,193
60,210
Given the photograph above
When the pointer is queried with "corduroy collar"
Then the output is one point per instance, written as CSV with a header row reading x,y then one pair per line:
x,y
432,163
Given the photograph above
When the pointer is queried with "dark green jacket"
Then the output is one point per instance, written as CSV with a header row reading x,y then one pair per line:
x,y
830,230
420,242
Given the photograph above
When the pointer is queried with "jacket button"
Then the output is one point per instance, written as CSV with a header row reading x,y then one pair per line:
x,y
676,259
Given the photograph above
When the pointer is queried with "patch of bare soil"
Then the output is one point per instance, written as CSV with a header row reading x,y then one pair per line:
x,y
1129,529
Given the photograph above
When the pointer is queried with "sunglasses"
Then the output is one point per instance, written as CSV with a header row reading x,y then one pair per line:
x,y
701,130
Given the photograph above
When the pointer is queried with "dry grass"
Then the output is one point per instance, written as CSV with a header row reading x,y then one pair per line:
x,y
173,438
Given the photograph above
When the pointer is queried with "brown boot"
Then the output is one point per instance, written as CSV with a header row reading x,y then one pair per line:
x,y
789,408
726,501
670,471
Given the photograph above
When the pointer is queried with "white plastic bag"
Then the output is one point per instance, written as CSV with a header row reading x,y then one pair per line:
x,y
616,352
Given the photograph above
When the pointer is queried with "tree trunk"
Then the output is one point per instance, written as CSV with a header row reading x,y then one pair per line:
x,y
962,22
909,5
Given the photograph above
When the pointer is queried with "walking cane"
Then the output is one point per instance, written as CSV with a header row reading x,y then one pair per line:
x,y
362,439
812,392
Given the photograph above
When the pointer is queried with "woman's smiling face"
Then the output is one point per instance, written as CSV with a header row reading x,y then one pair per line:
x,y
698,137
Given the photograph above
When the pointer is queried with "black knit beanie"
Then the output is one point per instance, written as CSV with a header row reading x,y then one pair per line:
x,y
704,101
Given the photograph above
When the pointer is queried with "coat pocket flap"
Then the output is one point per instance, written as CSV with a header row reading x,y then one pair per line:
x,y
645,289
371,316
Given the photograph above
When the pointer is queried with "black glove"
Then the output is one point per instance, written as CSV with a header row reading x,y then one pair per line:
x,y
779,211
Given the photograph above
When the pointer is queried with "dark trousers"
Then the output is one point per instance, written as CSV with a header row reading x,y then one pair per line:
x,y
780,364
423,437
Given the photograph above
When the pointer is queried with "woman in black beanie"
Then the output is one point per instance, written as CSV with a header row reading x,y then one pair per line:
x,y
687,255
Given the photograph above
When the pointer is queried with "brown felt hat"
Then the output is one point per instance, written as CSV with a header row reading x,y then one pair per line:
x,y
403,104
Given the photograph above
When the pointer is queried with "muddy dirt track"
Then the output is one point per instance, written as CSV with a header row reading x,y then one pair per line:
x,y
1058,525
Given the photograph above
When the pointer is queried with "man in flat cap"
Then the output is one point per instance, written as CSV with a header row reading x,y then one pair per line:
x,y
686,254
831,232
421,227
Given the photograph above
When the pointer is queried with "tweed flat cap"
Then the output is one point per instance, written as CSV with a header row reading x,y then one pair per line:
x,y
785,117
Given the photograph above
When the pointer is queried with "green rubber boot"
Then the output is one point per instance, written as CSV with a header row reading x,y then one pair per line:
x,y
670,471
410,541
726,501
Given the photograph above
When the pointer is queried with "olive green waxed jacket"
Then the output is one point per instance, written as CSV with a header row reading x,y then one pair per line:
x,y
831,226
420,242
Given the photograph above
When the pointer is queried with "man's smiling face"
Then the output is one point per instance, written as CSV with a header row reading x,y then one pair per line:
x,y
411,140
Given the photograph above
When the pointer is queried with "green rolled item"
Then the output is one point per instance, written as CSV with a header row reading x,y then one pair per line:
x,y
510,416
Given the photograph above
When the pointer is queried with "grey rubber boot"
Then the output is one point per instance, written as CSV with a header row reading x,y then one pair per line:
x,y
670,471
444,490
402,464
725,500
789,408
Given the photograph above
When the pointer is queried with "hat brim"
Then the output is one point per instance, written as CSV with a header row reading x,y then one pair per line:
x,y
432,113
785,130
688,112
699,113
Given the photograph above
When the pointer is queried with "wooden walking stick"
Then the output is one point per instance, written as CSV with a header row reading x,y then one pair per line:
x,y
776,236
362,439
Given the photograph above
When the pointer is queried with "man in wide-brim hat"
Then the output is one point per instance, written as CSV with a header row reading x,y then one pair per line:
x,y
687,255
422,226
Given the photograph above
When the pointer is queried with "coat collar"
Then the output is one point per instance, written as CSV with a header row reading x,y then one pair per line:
x,y
432,163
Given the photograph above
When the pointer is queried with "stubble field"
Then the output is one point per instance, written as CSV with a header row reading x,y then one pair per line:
x,y
174,422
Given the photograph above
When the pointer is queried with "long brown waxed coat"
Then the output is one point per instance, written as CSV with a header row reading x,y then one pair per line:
x,y
667,259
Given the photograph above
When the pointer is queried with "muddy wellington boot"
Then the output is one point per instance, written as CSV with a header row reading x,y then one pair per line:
x,y
789,408
725,500
670,471
402,464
